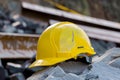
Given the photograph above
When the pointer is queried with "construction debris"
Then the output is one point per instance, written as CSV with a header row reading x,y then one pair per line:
x,y
100,69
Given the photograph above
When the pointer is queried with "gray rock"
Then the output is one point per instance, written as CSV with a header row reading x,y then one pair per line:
x,y
73,67
82,76
53,78
102,71
0,63
9,29
14,68
101,46
57,72
20,31
70,76
39,30
115,63
108,56
41,75
3,15
17,76
103,68
91,77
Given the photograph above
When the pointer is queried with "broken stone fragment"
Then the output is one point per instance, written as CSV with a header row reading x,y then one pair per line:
x,y
103,66
70,76
9,29
101,69
14,68
75,67
115,63
91,77
41,75
57,72
108,56
39,30
3,15
17,76
53,78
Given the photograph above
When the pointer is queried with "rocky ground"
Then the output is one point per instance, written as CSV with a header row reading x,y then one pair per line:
x,y
106,67
108,63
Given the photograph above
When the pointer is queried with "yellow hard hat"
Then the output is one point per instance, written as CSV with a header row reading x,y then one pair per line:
x,y
60,42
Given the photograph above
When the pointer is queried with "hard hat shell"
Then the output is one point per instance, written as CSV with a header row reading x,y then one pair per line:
x,y
60,42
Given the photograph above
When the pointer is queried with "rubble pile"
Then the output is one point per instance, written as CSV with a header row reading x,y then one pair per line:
x,y
19,24
15,69
106,67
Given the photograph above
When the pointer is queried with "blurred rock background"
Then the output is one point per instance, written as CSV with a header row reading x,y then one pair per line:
x,y
11,6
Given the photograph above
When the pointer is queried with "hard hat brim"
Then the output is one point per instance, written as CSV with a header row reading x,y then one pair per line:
x,y
47,62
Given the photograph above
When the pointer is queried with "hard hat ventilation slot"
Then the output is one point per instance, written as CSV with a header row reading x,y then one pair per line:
x,y
80,47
